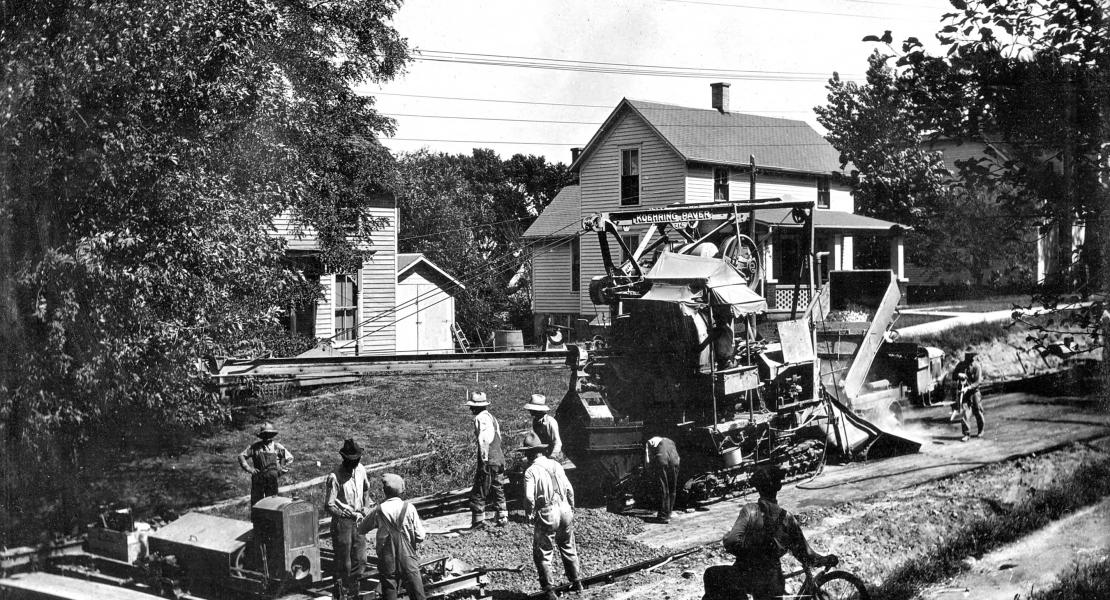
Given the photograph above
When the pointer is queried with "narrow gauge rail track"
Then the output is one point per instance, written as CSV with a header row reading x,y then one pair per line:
x,y
304,372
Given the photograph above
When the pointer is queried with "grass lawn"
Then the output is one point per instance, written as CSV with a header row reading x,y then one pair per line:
x,y
391,416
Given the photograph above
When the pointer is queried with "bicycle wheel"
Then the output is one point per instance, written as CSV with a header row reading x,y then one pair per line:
x,y
840,585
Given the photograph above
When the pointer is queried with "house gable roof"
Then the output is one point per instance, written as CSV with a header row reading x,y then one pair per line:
x,y
408,261
826,219
712,137
561,217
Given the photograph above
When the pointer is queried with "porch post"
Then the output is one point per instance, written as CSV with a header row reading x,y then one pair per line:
x,y
898,257
848,256
769,257
837,252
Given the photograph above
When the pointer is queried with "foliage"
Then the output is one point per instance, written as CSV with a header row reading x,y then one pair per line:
x,y
147,147
467,214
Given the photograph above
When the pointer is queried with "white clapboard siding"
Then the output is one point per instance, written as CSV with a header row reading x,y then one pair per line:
x,y
551,279
378,294
662,182
699,187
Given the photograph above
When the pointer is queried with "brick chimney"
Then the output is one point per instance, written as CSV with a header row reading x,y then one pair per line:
x,y
574,152
720,96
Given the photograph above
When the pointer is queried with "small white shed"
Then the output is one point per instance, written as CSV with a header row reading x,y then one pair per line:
x,y
425,306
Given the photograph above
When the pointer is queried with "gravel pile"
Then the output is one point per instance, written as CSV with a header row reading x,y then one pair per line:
x,y
602,545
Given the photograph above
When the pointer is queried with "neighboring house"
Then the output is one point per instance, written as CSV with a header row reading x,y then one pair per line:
x,y
368,311
1044,247
426,297
653,155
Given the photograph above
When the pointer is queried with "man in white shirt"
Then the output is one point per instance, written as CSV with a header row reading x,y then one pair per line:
x,y
489,475
399,531
549,505
347,499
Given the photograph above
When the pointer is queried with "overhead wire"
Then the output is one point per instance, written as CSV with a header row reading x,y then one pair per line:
x,y
684,125
539,103
752,145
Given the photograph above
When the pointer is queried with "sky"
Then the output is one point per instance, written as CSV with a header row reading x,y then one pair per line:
x,y
467,87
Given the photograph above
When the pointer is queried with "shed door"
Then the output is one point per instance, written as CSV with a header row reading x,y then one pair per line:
x,y
424,319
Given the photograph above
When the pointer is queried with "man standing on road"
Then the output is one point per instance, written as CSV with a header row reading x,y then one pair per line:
x,y
545,426
399,531
347,500
762,534
972,399
265,460
488,477
661,462
549,506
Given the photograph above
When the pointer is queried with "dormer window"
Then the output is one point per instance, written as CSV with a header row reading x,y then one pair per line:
x,y
823,200
720,184
630,176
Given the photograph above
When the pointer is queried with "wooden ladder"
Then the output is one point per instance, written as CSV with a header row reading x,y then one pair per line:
x,y
460,337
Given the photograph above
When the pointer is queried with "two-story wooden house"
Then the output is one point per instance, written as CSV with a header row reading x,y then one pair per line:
x,y
648,154
395,303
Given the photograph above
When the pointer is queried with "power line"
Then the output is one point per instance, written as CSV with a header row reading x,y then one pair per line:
x,y
755,145
685,125
792,10
538,103
478,226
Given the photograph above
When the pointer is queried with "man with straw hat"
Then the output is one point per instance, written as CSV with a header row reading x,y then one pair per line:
x,y
545,426
347,500
489,474
265,460
971,375
399,531
549,505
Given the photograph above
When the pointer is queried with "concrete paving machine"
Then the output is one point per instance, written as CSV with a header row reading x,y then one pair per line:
x,y
694,354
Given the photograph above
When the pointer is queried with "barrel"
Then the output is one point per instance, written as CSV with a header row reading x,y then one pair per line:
x,y
508,339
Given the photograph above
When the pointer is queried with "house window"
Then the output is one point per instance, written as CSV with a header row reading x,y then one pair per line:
x,y
823,192
720,184
630,176
575,264
346,307
349,214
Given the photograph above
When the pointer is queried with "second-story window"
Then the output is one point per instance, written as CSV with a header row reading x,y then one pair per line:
x,y
575,264
823,198
630,176
346,307
720,184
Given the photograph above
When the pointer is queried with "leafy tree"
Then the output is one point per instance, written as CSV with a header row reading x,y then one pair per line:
x,y
467,213
1034,76
146,147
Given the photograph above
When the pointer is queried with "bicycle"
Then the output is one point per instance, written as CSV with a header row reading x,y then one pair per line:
x,y
825,585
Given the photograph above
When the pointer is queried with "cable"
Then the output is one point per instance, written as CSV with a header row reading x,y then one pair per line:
x,y
753,145
480,225
692,125
538,103
790,10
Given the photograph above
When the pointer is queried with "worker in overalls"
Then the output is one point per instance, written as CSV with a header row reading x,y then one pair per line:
x,y
399,531
266,461
972,399
661,463
545,426
762,534
347,500
549,505
489,474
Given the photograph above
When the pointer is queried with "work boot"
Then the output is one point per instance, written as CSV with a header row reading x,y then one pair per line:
x,y
478,524
549,594
576,586
353,590
502,519
964,439
339,591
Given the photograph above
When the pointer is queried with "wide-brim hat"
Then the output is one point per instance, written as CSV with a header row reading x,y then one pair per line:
x,y
532,443
970,351
538,403
267,430
477,399
350,450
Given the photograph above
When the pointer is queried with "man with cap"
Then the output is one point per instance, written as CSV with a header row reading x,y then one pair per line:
x,y
399,531
661,463
347,500
549,505
762,534
265,460
545,426
972,399
488,477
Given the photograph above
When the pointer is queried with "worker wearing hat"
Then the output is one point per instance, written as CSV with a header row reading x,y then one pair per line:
x,y
762,534
489,473
545,426
347,500
972,399
399,531
549,505
265,460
